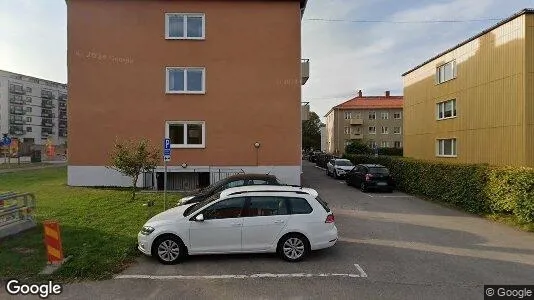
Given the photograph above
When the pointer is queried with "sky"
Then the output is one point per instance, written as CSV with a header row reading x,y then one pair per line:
x,y
344,56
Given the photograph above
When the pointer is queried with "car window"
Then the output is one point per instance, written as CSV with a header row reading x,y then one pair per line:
x,y
379,170
235,183
323,203
226,209
299,206
344,163
191,209
266,206
258,182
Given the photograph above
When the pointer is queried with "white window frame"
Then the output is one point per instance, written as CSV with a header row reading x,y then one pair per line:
x,y
373,113
185,91
185,145
397,113
440,68
386,143
348,115
440,148
440,110
400,144
358,115
386,131
373,144
185,16
400,130
372,131
385,115
347,130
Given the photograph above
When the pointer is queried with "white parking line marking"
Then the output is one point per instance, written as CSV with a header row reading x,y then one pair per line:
x,y
360,269
263,275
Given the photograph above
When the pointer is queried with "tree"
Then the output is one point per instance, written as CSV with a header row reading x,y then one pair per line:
x,y
357,147
311,132
131,158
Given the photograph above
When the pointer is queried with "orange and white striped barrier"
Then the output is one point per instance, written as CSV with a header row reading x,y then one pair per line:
x,y
52,240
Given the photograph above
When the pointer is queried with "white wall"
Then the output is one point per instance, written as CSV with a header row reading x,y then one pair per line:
x,y
102,176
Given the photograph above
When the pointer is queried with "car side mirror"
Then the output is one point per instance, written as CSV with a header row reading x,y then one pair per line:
x,y
199,218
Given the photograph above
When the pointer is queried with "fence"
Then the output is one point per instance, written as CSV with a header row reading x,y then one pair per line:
x,y
188,180
15,212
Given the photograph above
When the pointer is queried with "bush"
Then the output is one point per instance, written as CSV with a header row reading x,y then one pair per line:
x,y
357,147
479,189
322,159
390,151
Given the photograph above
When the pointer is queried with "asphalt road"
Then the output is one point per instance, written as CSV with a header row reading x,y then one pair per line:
x,y
392,246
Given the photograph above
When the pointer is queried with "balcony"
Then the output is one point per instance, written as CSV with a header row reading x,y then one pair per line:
x,y
305,111
47,95
63,133
16,99
62,97
16,110
356,136
305,70
47,124
16,130
16,121
356,121
16,89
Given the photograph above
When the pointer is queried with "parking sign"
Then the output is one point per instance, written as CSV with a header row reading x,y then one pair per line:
x,y
167,149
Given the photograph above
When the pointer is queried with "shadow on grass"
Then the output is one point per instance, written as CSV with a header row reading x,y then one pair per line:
x,y
96,255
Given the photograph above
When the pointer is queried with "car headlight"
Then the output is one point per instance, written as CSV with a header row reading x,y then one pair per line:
x,y
146,230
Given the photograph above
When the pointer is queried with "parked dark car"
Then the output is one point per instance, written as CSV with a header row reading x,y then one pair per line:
x,y
371,177
229,182
313,156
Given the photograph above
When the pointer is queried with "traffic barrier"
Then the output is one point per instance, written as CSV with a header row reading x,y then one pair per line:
x,y
54,249
16,213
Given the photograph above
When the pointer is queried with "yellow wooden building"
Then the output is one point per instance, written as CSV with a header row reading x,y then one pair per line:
x,y
474,103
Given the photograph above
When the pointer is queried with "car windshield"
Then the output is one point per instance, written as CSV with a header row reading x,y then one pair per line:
x,y
344,163
193,208
380,171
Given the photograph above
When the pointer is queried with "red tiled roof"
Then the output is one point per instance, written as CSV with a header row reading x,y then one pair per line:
x,y
367,102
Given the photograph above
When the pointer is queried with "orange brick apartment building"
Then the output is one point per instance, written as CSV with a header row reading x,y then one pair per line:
x,y
215,76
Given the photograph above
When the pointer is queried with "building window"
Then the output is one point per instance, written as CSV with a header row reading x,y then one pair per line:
x,y
372,130
385,144
396,130
186,80
372,115
356,130
28,89
372,144
347,130
446,72
28,109
385,116
348,115
358,115
347,142
179,26
385,130
28,119
397,116
397,144
446,147
186,134
446,109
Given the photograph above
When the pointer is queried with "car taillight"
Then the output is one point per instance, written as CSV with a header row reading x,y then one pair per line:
x,y
330,218
368,177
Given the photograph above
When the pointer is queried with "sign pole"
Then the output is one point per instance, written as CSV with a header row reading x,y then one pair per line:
x,y
165,186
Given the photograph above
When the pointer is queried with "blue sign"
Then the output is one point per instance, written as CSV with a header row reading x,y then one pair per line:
x,y
167,149
6,141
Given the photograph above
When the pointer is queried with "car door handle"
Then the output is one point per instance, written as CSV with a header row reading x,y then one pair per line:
x,y
278,221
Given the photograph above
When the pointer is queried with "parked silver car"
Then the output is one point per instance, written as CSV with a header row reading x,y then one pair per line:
x,y
338,167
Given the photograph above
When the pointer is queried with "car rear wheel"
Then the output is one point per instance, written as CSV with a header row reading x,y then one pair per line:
x,y
293,247
168,249
363,187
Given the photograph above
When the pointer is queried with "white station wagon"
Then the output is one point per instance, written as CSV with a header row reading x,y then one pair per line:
x,y
288,220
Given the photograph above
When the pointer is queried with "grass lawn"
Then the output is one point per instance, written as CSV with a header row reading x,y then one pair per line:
x,y
5,166
98,227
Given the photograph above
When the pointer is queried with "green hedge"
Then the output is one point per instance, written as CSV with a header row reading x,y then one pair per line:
x,y
479,189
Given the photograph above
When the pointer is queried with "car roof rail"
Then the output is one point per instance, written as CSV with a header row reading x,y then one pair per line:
x,y
270,191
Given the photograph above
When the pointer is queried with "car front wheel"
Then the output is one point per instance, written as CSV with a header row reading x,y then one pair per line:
x,y
363,187
293,247
168,249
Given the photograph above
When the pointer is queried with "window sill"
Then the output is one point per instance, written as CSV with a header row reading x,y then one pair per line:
x,y
175,146
186,38
185,93
438,83
448,118
447,156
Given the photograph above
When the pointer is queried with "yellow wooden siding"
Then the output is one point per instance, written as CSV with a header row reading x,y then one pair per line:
x,y
529,87
490,101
